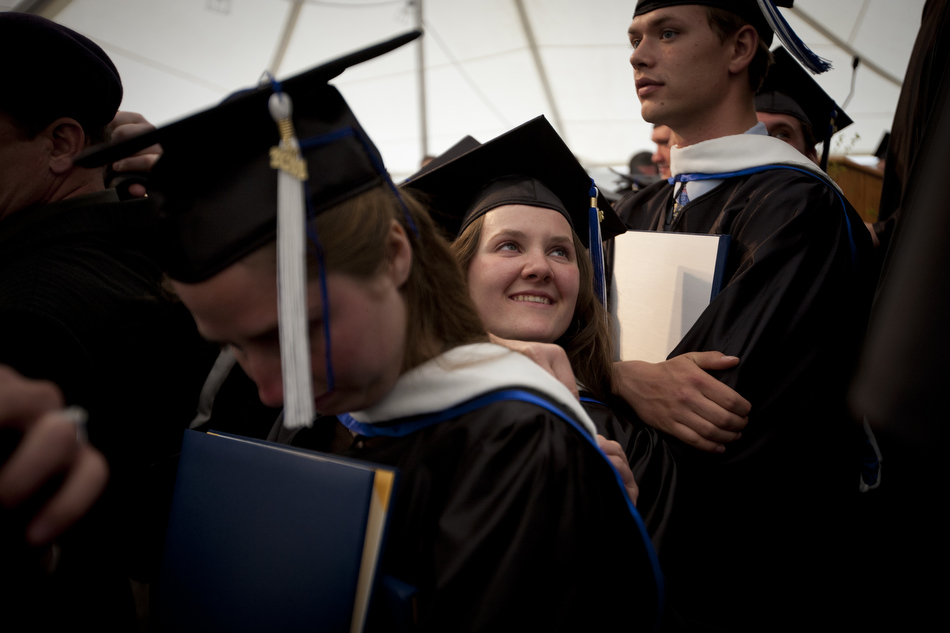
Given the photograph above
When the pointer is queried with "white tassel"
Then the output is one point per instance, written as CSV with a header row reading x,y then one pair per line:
x,y
292,269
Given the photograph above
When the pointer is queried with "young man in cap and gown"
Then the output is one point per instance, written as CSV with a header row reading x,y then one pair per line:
x,y
758,539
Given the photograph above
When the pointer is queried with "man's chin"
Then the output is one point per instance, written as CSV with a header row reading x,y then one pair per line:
x,y
649,113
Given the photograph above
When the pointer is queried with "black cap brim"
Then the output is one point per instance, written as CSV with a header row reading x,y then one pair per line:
x,y
787,78
533,150
748,10
216,188
109,153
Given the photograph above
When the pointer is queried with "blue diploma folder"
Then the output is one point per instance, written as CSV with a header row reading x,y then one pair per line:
x,y
267,537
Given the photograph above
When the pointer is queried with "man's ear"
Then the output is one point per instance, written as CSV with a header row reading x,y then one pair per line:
x,y
745,44
67,139
399,254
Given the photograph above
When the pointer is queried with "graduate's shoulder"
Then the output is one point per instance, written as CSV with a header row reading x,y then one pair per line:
x,y
778,197
518,414
786,183
537,437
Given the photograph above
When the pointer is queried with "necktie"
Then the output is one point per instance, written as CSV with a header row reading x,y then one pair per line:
x,y
681,199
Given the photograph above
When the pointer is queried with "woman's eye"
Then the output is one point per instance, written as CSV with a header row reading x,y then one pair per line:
x,y
560,251
507,246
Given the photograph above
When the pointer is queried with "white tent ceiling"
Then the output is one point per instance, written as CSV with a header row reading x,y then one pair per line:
x,y
482,74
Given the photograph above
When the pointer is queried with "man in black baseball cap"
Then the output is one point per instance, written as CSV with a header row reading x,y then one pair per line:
x,y
61,91
83,307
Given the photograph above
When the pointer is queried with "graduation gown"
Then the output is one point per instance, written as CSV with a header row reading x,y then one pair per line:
x,y
758,537
649,456
506,516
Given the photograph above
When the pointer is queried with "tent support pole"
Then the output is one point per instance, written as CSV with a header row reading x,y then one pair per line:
x,y
542,74
421,66
289,26
850,50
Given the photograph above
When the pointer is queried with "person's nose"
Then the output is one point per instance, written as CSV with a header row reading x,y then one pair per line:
x,y
264,370
536,266
641,56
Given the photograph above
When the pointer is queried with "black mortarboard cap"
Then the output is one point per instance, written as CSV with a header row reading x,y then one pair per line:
x,y
215,186
780,103
790,89
748,10
51,71
528,165
465,145
763,15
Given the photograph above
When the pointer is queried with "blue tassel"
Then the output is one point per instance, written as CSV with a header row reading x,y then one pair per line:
x,y
328,139
596,246
792,42
324,297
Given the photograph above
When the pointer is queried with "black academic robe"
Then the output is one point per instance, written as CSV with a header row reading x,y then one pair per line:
x,y
82,306
759,538
649,457
506,518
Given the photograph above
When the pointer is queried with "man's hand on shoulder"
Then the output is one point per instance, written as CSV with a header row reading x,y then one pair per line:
x,y
681,399
552,358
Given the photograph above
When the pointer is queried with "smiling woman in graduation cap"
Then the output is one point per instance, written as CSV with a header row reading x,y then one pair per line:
x,y
504,504
528,223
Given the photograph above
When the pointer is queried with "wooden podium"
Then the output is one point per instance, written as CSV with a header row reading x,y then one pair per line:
x,y
861,185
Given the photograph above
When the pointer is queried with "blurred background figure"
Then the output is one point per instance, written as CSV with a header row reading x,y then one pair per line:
x,y
640,173
642,163
901,379
661,157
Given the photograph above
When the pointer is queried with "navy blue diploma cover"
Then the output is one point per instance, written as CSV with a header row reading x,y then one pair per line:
x,y
268,537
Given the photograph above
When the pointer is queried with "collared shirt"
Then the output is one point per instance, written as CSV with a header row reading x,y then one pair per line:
x,y
696,188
